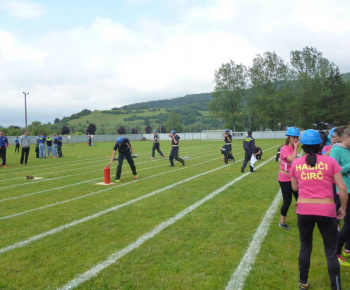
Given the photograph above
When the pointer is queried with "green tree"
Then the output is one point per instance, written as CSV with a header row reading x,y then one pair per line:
x,y
317,81
173,122
230,90
269,76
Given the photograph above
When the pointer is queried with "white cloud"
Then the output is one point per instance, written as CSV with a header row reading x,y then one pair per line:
x,y
23,9
11,49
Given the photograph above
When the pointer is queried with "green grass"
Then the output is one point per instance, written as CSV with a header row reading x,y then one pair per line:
x,y
99,118
199,251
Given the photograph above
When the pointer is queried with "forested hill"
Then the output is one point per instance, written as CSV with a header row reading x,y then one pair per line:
x,y
200,100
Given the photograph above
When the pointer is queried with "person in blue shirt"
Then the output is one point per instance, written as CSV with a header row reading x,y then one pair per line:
x,y
174,153
54,153
42,146
17,145
4,143
59,145
124,148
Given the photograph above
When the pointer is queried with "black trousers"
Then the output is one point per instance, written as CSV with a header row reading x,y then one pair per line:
x,y
328,229
3,155
344,234
227,154
287,193
59,151
174,154
17,148
128,157
156,147
247,156
24,155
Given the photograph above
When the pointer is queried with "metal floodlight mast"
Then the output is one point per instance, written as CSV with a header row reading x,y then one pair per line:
x,y
25,108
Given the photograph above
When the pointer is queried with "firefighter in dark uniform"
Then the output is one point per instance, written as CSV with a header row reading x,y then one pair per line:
x,y
228,149
249,148
156,144
174,154
258,153
124,148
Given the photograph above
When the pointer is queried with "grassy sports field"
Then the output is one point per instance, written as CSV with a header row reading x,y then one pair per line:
x,y
202,226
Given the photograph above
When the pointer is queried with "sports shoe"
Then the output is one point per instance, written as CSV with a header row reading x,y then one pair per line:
x,y
136,177
152,158
242,169
4,166
342,261
346,253
303,286
163,156
117,180
183,163
285,226
171,165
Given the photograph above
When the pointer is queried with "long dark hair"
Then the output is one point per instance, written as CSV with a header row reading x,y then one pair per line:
x,y
312,151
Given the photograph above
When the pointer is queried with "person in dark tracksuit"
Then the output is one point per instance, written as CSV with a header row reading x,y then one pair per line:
x,y
156,144
258,153
249,148
228,149
174,154
59,145
4,143
124,148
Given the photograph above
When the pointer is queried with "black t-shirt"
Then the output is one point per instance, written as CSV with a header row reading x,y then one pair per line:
x,y
124,146
228,138
177,138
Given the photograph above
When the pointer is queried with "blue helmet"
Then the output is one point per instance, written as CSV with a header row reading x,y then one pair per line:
x,y
311,137
331,133
173,132
227,130
293,131
120,140
155,131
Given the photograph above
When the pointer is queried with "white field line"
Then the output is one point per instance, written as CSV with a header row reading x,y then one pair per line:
x,y
93,193
67,170
103,190
94,271
76,222
57,165
59,177
82,182
242,271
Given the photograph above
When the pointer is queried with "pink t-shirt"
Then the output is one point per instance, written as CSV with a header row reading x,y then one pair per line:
x,y
286,151
326,148
315,182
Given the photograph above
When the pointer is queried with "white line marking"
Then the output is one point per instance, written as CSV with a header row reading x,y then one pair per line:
x,y
76,222
94,271
238,277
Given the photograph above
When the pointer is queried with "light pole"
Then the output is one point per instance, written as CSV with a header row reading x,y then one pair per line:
x,y
25,107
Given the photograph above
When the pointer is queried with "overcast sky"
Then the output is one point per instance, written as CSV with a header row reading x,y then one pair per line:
x,y
84,54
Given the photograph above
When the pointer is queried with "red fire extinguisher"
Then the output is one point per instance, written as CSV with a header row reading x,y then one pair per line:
x,y
107,175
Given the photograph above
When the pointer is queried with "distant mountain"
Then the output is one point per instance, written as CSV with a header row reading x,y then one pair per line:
x,y
203,99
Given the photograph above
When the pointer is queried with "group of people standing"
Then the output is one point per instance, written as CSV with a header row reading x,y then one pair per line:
x,y
53,146
321,185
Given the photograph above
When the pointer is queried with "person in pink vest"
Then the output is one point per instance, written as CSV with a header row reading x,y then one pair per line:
x,y
288,153
312,176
